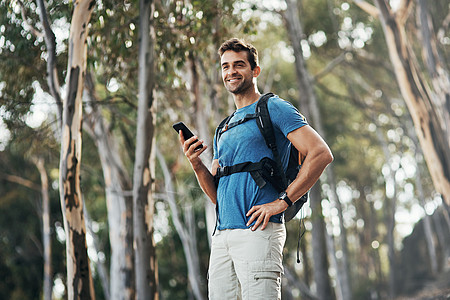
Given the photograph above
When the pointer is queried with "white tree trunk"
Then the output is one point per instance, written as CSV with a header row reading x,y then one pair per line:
x,y
202,127
79,277
319,249
390,207
309,106
46,232
187,237
144,166
118,199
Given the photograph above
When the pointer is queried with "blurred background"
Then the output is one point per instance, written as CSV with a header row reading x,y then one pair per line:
x,y
370,76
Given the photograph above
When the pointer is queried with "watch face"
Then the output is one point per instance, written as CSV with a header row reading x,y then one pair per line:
x,y
283,195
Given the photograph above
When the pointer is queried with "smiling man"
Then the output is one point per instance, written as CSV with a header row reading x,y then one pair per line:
x,y
246,251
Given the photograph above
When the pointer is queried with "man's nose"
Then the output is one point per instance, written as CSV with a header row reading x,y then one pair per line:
x,y
231,70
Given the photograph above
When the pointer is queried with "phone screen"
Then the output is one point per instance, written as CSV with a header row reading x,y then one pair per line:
x,y
187,133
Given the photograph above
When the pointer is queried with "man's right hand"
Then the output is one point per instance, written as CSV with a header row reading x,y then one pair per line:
x,y
189,146
204,176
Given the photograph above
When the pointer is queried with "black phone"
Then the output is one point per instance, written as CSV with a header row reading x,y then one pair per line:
x,y
187,133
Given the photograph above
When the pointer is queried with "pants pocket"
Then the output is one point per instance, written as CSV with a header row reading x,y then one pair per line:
x,y
265,285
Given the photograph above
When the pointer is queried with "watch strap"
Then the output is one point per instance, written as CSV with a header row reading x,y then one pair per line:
x,y
283,196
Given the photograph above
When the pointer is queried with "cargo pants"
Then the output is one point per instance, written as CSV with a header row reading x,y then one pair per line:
x,y
246,264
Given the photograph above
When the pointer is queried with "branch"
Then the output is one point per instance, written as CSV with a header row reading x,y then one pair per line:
x,y
444,27
331,65
22,181
295,281
50,42
26,24
367,7
404,10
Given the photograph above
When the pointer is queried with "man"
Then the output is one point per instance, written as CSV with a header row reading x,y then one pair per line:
x,y
246,252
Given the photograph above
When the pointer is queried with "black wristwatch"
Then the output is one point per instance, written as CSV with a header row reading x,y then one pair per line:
x,y
283,196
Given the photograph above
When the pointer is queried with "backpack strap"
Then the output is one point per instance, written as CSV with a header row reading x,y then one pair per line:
x,y
222,125
267,131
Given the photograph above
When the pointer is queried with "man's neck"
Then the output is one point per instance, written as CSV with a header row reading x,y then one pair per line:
x,y
245,99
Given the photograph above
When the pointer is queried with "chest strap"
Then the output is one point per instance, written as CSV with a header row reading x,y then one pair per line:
x,y
228,125
255,170
262,172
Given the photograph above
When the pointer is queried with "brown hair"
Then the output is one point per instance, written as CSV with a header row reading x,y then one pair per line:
x,y
238,45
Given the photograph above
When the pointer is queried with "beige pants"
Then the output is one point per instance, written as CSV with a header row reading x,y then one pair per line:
x,y
247,264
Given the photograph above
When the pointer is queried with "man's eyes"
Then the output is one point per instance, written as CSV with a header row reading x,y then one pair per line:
x,y
239,65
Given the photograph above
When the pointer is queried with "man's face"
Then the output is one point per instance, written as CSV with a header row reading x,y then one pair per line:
x,y
237,74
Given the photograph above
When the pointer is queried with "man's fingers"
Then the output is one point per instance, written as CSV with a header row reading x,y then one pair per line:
x,y
187,143
252,210
266,221
258,222
260,213
199,151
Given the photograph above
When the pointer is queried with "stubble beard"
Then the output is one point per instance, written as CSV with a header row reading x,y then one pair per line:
x,y
241,88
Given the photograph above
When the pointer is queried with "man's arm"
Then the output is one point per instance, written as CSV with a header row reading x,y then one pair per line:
x,y
317,156
204,176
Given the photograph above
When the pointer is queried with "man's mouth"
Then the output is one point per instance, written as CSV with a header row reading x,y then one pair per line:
x,y
231,80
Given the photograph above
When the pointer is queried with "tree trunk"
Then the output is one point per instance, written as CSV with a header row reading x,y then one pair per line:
x,y
320,262
438,73
187,237
442,234
79,277
202,127
331,248
46,231
429,115
343,266
295,32
118,200
390,207
309,106
102,271
146,269
421,195
296,282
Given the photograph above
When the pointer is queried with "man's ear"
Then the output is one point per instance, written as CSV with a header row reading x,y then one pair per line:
x,y
256,71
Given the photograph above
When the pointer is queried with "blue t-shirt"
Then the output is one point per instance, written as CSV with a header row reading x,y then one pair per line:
x,y
238,192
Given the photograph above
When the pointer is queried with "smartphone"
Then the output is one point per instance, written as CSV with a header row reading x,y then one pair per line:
x,y
187,133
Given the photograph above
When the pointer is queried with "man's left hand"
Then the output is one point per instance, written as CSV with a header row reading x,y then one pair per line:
x,y
262,213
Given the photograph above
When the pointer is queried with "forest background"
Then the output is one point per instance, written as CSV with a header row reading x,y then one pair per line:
x,y
115,75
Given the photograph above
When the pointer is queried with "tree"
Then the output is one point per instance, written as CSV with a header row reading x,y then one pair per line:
x,y
187,236
46,235
426,105
118,197
146,269
309,103
356,92
79,277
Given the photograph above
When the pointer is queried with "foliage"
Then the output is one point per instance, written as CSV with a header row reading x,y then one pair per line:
x,y
357,97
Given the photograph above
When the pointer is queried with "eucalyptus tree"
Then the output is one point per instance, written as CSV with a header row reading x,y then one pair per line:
x,y
79,277
71,202
146,268
426,102
309,103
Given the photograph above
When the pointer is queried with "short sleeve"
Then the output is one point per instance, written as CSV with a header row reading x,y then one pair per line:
x,y
285,116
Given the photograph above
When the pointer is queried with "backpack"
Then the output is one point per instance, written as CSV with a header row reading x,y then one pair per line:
x,y
267,170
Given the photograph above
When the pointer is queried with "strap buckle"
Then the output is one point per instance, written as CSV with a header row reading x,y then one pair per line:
x,y
224,171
